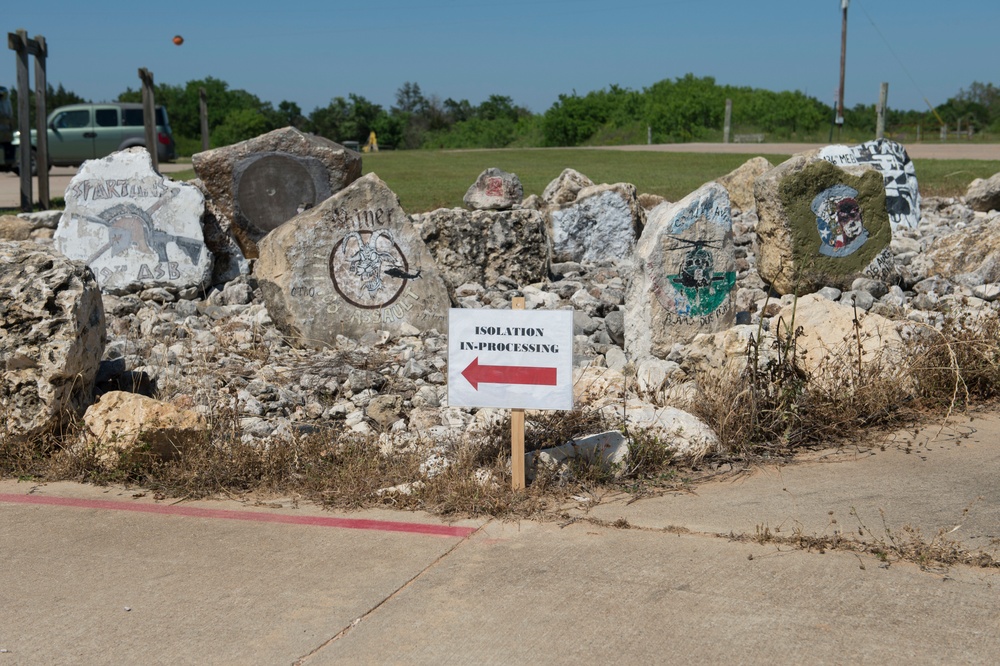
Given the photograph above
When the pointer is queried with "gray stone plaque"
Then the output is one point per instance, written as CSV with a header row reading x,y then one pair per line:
x,y
272,188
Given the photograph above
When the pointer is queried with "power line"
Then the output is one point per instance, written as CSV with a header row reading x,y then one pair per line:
x,y
899,60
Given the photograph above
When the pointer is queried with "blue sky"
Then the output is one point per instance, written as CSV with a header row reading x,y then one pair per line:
x,y
530,50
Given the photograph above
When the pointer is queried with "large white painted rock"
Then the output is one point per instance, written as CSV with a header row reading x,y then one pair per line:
x,y
258,185
603,222
902,193
352,265
820,225
685,274
133,227
52,337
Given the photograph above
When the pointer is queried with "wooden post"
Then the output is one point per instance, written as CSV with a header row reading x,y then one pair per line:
x,y
203,117
149,115
517,429
18,42
41,122
728,122
883,95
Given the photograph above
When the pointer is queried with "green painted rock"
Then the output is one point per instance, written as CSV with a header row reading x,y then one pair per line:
x,y
685,274
821,225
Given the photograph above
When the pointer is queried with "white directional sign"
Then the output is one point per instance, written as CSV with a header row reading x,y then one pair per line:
x,y
521,359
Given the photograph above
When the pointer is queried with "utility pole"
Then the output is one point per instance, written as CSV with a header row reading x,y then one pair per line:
x,y
843,62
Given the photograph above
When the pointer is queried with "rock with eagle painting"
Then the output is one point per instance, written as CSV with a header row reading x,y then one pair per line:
x,y
685,274
351,265
821,226
133,227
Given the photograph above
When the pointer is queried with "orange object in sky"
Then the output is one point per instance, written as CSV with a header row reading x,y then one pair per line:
x,y
178,40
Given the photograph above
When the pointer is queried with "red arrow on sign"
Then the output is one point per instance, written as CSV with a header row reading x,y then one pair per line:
x,y
508,374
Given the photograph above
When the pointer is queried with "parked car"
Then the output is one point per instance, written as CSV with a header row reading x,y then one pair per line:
x,y
80,132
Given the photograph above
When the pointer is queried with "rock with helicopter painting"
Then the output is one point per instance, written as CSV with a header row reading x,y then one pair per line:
x,y
684,276
352,265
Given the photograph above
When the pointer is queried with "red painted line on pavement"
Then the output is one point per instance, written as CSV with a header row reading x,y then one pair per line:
x,y
254,516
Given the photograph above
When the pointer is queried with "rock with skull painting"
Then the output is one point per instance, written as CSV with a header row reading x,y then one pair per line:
x,y
822,226
351,265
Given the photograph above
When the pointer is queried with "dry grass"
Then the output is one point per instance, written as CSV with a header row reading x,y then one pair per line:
x,y
888,546
775,405
771,408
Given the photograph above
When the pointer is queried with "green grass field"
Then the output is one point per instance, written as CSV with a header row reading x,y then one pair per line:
x,y
425,180
428,179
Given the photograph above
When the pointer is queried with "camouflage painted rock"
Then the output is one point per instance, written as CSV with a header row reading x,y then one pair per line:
x,y
257,185
482,246
902,194
685,274
494,190
602,223
52,337
351,265
133,227
739,182
821,226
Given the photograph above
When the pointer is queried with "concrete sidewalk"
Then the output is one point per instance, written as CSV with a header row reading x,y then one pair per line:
x,y
93,576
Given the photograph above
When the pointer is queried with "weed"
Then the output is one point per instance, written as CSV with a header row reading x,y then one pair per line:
x,y
957,363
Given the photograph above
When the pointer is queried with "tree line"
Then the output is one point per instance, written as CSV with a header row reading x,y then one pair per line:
x,y
687,108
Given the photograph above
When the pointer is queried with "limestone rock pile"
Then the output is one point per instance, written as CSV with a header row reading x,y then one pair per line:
x,y
52,337
313,334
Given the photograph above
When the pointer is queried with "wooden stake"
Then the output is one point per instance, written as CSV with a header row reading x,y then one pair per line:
x,y
517,429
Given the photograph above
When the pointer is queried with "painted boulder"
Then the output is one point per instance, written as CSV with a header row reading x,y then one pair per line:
x,y
256,186
351,265
820,225
902,194
133,227
685,274
495,189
